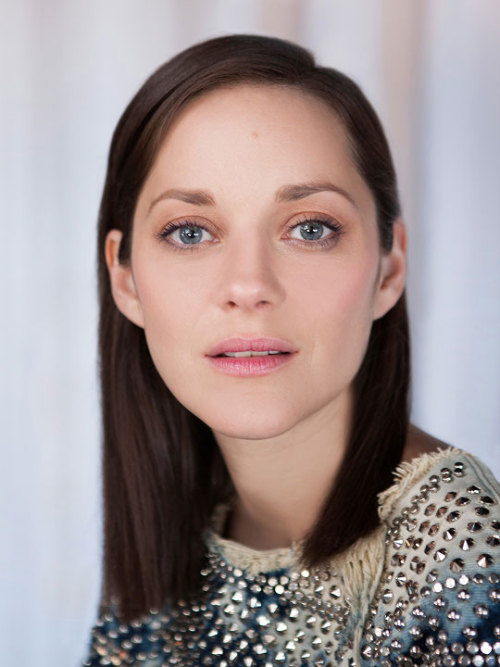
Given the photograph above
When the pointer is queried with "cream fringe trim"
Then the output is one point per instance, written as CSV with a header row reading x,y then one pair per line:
x,y
359,564
362,562
253,561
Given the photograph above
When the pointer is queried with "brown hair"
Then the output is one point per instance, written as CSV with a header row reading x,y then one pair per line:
x,y
163,471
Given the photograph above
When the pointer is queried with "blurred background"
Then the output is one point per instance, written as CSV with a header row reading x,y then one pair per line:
x,y
431,69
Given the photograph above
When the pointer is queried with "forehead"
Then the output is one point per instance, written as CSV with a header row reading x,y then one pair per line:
x,y
258,111
254,138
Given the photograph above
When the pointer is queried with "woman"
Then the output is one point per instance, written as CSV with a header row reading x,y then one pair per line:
x,y
266,500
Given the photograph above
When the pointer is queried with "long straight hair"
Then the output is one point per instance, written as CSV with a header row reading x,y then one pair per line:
x,y
163,473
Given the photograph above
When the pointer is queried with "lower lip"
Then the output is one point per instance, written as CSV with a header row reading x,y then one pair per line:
x,y
250,366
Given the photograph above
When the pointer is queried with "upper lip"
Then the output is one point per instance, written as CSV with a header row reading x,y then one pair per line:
x,y
238,344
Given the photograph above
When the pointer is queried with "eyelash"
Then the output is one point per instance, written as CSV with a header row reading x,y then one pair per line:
x,y
327,222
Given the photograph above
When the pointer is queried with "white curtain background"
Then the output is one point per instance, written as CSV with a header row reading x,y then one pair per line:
x,y
432,70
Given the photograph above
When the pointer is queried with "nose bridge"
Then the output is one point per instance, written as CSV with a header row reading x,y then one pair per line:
x,y
249,277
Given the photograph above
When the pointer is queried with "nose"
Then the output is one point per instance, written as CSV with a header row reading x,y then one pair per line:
x,y
249,277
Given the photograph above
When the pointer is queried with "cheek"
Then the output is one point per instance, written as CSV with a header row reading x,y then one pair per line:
x,y
343,298
344,320
170,306
354,296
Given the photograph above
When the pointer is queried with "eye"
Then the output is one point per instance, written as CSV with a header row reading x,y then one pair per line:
x,y
185,233
315,229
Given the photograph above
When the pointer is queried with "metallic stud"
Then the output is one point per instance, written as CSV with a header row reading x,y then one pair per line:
x,y
485,560
474,526
481,610
482,511
430,509
457,565
466,544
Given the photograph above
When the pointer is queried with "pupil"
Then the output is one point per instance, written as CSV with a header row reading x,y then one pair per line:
x,y
311,231
190,234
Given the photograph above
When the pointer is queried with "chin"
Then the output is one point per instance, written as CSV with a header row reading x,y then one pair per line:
x,y
250,427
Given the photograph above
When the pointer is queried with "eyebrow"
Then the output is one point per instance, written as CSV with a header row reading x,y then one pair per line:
x,y
302,190
286,193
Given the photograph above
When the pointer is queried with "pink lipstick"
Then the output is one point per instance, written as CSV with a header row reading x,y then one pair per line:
x,y
247,357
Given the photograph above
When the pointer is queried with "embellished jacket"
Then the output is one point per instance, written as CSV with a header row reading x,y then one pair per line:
x,y
422,589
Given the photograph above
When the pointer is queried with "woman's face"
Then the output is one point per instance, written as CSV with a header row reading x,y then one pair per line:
x,y
254,223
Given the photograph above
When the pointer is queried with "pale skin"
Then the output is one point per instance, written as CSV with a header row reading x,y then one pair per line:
x,y
253,274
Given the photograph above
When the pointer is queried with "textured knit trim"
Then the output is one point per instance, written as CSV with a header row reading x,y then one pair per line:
x,y
362,562
252,560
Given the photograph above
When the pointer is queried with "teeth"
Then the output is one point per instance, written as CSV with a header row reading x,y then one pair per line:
x,y
251,353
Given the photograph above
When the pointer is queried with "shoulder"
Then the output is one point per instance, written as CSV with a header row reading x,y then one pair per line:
x,y
439,593
448,476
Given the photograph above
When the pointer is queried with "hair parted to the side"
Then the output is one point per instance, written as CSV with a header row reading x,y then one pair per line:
x,y
163,471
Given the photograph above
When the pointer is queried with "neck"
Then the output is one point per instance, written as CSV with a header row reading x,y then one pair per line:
x,y
282,482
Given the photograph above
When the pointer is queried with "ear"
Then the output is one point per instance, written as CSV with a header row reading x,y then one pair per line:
x,y
392,275
122,281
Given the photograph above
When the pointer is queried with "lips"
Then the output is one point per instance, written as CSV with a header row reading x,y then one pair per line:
x,y
251,357
248,347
